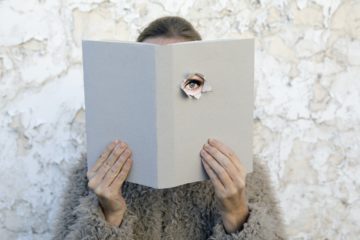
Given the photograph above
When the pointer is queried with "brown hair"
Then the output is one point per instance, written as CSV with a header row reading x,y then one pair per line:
x,y
170,26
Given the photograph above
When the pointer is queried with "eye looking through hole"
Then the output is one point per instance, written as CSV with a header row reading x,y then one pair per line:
x,y
194,84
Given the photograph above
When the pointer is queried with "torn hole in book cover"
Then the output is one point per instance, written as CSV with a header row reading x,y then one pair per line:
x,y
194,85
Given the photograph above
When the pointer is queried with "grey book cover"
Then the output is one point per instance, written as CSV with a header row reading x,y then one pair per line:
x,y
136,92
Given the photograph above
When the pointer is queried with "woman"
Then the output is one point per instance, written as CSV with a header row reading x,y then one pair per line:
x,y
100,204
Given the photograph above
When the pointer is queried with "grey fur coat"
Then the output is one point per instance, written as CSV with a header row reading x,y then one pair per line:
x,y
188,211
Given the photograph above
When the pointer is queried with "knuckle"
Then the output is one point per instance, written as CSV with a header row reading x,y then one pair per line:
x,y
125,155
98,191
107,164
109,157
126,168
241,184
91,184
225,163
233,155
127,164
121,174
113,170
232,192
210,150
221,171
127,151
118,150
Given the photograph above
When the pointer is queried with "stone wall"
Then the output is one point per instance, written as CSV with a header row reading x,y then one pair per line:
x,y
307,108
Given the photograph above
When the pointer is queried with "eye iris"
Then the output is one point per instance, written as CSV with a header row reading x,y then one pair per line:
x,y
193,84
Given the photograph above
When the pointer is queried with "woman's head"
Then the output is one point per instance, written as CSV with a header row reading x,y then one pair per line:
x,y
169,29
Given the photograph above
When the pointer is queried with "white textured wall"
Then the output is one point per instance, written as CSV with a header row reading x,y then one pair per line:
x,y
307,116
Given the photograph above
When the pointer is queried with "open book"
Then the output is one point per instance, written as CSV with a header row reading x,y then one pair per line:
x,y
165,101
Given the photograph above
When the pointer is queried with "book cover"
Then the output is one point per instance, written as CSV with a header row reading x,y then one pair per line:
x,y
148,95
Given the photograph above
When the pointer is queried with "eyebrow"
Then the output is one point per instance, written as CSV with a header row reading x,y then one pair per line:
x,y
200,75
190,77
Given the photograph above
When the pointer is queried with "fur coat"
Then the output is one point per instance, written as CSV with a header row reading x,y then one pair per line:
x,y
184,212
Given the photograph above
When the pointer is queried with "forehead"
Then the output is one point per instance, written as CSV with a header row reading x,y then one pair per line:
x,y
163,40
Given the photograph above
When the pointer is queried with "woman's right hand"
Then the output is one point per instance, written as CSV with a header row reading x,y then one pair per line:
x,y
106,178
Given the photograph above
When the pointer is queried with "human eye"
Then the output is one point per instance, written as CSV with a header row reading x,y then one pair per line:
x,y
192,84
194,81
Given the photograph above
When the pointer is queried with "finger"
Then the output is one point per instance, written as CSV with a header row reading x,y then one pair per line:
x,y
224,161
226,151
100,174
102,158
218,169
213,177
116,168
108,164
122,175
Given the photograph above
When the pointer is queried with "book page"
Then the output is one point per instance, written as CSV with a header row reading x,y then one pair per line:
x,y
224,113
119,81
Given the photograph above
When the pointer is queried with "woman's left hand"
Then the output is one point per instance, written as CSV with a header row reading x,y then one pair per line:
x,y
227,175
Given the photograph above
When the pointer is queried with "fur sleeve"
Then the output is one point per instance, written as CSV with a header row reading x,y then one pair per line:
x,y
80,215
264,221
91,223
75,188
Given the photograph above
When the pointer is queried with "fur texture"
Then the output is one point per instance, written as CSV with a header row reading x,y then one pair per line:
x,y
188,211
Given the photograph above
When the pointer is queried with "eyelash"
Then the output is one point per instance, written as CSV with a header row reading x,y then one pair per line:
x,y
193,81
